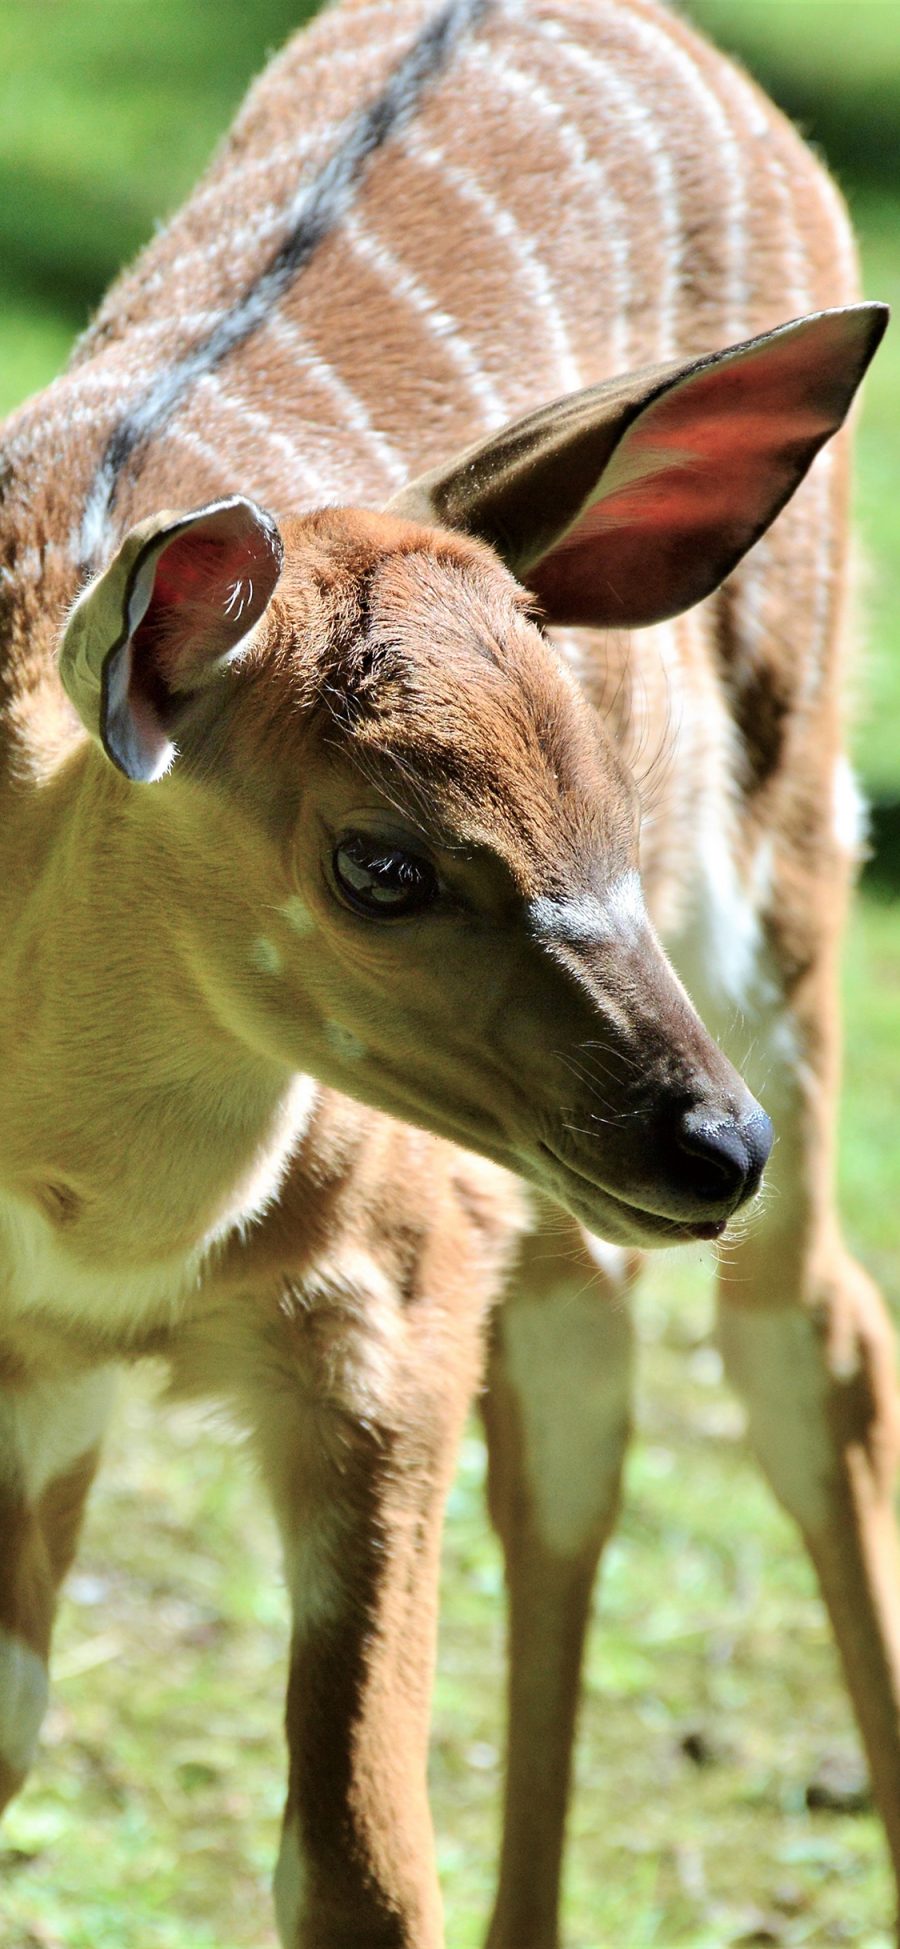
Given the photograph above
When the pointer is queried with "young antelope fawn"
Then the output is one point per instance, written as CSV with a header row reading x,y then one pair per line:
x,y
333,996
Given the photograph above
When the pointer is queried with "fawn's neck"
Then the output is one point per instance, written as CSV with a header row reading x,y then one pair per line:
x,y
132,1110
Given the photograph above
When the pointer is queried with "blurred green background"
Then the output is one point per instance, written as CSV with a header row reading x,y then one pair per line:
x,y
714,1721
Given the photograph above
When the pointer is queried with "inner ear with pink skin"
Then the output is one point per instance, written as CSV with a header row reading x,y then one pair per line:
x,y
175,604
629,502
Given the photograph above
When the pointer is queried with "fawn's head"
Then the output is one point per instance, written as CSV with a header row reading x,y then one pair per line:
x,y
449,920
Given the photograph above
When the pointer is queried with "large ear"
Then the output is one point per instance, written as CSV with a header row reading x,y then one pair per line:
x,y
630,502
175,603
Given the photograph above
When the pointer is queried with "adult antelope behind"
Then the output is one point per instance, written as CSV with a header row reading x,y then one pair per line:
x,y
331,908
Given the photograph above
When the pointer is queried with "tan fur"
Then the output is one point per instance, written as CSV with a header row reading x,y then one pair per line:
x,y
177,967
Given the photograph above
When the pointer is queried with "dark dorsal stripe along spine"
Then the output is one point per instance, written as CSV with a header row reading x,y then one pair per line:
x,y
318,208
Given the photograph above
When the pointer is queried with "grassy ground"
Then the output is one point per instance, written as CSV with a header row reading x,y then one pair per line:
x,y
712,1699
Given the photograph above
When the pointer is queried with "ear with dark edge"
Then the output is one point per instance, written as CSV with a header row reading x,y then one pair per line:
x,y
175,604
629,502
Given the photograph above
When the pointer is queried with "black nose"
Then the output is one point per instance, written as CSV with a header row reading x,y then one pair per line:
x,y
728,1158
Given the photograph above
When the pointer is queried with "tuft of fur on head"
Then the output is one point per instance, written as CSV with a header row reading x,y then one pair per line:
x,y
411,652
447,688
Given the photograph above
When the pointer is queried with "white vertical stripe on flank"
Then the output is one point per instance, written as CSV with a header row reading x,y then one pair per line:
x,y
441,324
729,160
302,476
793,286
817,492
281,213
184,325
184,436
320,373
227,241
236,177
531,267
654,41
231,244
583,170
846,278
796,296
754,124
67,403
315,210
637,122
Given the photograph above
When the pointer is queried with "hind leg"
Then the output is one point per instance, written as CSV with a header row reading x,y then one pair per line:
x,y
807,1343
50,1433
558,1418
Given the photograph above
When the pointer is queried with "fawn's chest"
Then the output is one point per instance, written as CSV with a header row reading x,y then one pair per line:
x,y
48,1287
132,1251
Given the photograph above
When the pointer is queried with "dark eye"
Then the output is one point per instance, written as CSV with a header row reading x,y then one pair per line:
x,y
382,880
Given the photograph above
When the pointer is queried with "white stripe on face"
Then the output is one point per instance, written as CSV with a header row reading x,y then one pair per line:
x,y
592,919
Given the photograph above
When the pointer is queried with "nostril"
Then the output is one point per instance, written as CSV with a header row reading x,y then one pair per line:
x,y
728,1158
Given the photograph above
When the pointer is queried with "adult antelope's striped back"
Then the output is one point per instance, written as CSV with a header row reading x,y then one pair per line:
x,y
375,234
319,867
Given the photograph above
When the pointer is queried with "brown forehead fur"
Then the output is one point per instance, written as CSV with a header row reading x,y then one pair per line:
x,y
415,660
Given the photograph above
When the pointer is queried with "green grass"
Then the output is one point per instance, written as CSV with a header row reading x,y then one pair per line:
x,y
152,1816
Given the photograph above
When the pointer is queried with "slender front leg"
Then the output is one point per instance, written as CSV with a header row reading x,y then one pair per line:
x,y
357,1862
359,1402
558,1419
50,1433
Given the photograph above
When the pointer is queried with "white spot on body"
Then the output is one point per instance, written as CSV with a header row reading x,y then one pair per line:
x,y
298,916
265,956
23,1700
569,1363
344,1043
